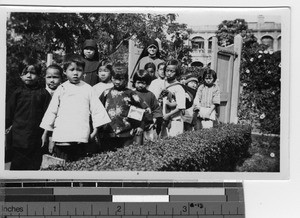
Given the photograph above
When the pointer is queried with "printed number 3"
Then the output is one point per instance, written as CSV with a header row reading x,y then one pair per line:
x,y
184,209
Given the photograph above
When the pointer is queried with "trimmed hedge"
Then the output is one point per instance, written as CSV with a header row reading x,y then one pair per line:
x,y
218,149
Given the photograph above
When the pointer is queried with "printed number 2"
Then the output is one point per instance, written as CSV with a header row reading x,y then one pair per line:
x,y
184,209
118,209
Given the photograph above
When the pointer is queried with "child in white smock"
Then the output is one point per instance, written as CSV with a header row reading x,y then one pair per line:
x,y
69,110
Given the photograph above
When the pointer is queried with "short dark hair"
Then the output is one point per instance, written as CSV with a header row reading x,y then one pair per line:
x,y
55,67
210,72
150,65
177,63
72,58
142,75
23,66
120,71
162,64
107,64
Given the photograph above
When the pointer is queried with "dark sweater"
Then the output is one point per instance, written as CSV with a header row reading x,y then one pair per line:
x,y
151,100
117,104
24,111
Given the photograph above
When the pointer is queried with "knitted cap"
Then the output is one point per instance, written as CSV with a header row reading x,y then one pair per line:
x,y
90,43
191,77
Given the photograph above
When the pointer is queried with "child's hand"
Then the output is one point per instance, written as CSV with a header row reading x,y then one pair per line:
x,y
51,146
196,109
93,134
148,110
8,130
172,104
154,120
138,131
44,139
164,93
152,126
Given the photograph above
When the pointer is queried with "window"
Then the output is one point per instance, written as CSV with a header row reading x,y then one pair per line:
x,y
197,64
210,45
198,44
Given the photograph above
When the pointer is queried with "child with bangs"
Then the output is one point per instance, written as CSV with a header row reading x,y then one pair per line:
x,y
159,84
53,78
152,120
207,100
173,101
151,69
104,73
118,101
24,112
69,112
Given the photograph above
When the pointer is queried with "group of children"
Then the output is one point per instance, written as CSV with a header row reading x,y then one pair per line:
x,y
75,118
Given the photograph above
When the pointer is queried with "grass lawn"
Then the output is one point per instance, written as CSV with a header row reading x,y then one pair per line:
x,y
264,155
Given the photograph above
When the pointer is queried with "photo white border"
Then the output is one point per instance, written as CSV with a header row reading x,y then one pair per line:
x,y
162,176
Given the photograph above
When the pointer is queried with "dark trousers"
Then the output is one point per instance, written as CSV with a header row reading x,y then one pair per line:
x,y
26,159
71,152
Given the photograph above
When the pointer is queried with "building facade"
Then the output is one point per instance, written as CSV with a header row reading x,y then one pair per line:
x,y
268,33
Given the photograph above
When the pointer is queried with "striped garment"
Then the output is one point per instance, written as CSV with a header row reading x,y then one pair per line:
x,y
207,96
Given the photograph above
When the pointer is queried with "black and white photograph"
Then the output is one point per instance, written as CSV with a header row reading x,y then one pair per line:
x,y
207,85
138,93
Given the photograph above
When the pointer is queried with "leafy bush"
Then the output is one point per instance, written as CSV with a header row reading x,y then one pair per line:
x,y
260,96
216,149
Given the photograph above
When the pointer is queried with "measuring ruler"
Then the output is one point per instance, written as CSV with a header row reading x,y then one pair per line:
x,y
123,200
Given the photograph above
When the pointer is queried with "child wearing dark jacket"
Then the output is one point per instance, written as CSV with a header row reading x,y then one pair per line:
x,y
24,112
153,120
118,101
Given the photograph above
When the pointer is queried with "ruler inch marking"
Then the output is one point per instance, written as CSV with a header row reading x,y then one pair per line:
x,y
211,206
